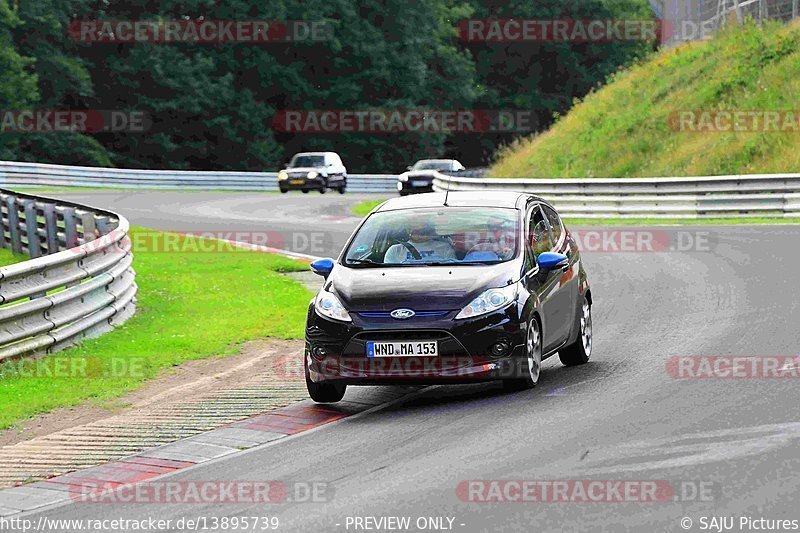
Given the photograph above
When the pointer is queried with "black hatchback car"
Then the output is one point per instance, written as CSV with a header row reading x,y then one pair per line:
x,y
431,289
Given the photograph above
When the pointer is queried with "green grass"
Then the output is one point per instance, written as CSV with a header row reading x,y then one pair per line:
x,y
8,258
364,208
191,305
624,128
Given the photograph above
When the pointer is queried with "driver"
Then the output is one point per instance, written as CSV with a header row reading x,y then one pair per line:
x,y
422,238
499,239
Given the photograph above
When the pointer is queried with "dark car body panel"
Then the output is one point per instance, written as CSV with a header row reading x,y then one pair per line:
x,y
437,294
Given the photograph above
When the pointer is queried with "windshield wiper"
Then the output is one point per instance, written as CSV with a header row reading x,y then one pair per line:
x,y
437,263
364,261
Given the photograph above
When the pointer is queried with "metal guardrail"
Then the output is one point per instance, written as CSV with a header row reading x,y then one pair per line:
x,y
46,175
767,196
78,283
27,174
775,196
692,20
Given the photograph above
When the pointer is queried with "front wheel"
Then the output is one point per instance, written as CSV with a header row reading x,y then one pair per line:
x,y
284,191
578,353
531,364
325,392
305,191
342,189
322,190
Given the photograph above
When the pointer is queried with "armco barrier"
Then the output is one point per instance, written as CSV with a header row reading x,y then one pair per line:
x,y
78,283
768,196
12,173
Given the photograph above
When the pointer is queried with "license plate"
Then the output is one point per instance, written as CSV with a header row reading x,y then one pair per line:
x,y
403,349
296,182
419,183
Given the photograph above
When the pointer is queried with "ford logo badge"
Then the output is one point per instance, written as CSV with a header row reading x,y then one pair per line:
x,y
402,314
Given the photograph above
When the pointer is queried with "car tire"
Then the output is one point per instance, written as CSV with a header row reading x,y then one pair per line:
x,y
305,191
324,392
530,366
579,352
322,190
342,190
284,191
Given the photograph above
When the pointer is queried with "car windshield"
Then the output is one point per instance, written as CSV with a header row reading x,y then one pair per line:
x,y
307,161
436,236
432,165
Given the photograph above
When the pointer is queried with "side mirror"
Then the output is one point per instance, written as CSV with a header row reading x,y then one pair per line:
x,y
551,261
322,267
408,167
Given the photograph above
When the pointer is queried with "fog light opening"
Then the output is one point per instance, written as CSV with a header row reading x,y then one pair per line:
x,y
319,352
501,348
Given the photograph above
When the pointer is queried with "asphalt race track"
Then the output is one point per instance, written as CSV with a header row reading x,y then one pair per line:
x,y
312,224
620,417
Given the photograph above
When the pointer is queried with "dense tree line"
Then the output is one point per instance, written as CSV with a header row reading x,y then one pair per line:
x,y
212,104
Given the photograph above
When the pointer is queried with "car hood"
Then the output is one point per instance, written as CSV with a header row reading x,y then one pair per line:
x,y
303,170
444,288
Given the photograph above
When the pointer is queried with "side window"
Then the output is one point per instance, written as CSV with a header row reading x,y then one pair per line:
x,y
539,238
555,223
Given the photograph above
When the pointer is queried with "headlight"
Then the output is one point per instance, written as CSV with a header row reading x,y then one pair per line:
x,y
403,177
329,306
489,301
282,175
313,174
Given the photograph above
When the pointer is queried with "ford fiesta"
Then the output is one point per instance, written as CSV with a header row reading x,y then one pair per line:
x,y
443,289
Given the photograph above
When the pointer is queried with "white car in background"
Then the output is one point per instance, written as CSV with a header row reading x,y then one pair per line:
x,y
309,171
419,177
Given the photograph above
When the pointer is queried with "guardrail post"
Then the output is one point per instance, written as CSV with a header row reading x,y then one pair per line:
x,y
13,225
51,228
795,8
70,228
89,227
738,10
31,229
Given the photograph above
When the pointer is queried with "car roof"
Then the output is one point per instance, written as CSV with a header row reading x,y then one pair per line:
x,y
435,160
313,153
508,199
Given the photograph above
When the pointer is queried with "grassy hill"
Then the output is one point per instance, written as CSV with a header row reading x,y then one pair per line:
x,y
633,126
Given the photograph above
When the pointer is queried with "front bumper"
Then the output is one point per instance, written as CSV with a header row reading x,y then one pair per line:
x,y
465,349
299,184
408,187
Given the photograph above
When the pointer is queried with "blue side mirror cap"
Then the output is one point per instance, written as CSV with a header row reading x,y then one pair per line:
x,y
552,260
322,267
